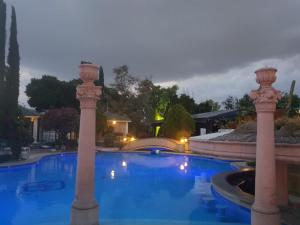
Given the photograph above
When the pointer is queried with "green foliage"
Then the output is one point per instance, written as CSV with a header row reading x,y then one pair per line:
x,y
123,81
246,106
208,106
101,77
10,128
49,93
109,138
188,103
101,121
230,103
162,98
13,76
283,104
178,123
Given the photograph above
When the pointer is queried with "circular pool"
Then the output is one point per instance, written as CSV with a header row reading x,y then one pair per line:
x,y
131,188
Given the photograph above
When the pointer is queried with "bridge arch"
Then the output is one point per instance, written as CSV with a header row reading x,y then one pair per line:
x,y
167,143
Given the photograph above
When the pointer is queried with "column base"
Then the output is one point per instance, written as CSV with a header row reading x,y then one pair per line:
x,y
265,217
85,216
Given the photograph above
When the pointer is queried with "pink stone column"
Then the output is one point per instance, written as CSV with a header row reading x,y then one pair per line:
x,y
264,210
282,183
85,210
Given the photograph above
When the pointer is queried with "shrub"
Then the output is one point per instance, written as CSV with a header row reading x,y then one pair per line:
x,y
249,127
288,126
109,140
178,123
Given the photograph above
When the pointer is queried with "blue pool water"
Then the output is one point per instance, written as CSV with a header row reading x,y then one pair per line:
x,y
142,189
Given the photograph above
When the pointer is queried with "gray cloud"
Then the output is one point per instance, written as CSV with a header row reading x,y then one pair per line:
x,y
165,39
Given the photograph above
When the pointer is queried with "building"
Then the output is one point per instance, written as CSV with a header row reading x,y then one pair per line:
x,y
34,118
211,122
119,123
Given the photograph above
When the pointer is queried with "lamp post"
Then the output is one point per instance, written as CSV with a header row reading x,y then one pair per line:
x,y
85,210
264,210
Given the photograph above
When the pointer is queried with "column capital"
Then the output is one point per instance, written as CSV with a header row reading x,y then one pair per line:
x,y
88,95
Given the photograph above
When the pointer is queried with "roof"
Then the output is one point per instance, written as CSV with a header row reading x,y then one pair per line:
x,y
216,114
115,116
28,112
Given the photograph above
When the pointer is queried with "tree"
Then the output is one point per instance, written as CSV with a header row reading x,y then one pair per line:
x,y
144,108
188,103
101,77
208,106
246,105
162,98
2,52
13,60
49,93
124,82
178,123
230,103
2,63
12,90
284,101
62,121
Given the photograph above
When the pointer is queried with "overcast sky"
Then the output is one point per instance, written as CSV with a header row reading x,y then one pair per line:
x,y
210,48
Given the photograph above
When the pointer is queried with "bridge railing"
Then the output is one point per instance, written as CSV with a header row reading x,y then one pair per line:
x,y
145,143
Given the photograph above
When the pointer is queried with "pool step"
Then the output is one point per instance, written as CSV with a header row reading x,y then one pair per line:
x,y
152,222
164,222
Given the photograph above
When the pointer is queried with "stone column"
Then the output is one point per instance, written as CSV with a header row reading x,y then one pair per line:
x,y
35,129
264,210
282,183
85,210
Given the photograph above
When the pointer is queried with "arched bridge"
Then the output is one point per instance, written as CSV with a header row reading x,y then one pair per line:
x,y
166,143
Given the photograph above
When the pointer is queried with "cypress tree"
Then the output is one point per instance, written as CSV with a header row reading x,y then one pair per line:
x,y
12,88
13,60
101,76
2,60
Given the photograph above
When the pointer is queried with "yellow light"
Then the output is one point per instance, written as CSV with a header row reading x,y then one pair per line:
x,y
132,139
247,169
124,164
124,139
114,122
183,140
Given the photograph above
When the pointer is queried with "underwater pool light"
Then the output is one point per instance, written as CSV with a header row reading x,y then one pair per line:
x,y
181,167
112,174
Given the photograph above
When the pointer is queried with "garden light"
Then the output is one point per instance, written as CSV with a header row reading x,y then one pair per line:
x,y
132,139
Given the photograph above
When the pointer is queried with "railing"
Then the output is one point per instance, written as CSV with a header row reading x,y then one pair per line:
x,y
145,143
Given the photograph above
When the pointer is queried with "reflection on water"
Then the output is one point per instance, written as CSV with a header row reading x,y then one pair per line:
x,y
129,186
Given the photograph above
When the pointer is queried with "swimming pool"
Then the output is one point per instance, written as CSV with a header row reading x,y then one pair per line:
x,y
131,188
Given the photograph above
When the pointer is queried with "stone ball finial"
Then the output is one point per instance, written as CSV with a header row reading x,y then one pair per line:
x,y
88,72
266,76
